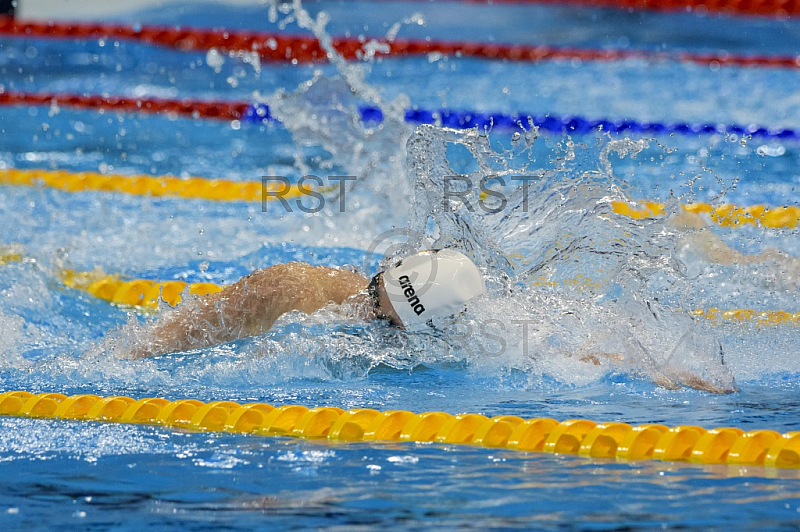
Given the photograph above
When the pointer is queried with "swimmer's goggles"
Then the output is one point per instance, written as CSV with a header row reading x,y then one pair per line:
x,y
372,291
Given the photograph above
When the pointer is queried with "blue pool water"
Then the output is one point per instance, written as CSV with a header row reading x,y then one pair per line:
x,y
80,475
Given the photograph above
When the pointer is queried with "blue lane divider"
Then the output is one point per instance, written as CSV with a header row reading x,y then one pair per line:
x,y
554,123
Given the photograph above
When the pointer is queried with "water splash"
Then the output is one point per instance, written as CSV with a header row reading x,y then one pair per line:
x,y
577,292
324,112
573,280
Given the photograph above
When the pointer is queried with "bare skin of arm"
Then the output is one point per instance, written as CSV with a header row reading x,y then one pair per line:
x,y
711,246
250,306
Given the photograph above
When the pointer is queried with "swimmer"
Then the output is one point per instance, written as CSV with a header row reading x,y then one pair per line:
x,y
426,285
423,286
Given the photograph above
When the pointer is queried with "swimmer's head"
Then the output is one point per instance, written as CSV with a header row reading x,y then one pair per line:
x,y
430,284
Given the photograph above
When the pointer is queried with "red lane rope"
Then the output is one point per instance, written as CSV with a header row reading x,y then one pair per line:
x,y
304,49
193,108
765,8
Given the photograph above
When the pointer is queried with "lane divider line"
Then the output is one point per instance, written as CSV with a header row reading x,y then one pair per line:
x,y
461,119
280,47
458,119
783,217
583,437
765,8
156,186
143,293
10,253
726,215
179,107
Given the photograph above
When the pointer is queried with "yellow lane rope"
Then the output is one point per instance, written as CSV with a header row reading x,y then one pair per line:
x,y
746,315
146,293
621,441
723,215
143,185
133,292
10,253
227,190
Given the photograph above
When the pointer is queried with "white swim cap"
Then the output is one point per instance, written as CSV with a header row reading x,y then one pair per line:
x,y
430,284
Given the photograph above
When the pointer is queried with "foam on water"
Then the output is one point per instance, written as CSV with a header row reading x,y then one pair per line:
x,y
572,281
585,310
577,293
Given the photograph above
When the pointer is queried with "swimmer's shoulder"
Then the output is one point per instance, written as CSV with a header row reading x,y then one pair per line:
x,y
300,273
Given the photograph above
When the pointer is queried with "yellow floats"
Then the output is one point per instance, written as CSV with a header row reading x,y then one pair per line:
x,y
144,185
248,191
10,253
134,292
762,317
685,443
724,215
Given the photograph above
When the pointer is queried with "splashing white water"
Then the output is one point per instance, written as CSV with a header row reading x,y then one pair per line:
x,y
573,281
576,291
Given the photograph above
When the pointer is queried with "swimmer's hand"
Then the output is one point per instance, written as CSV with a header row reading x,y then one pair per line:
x,y
672,382
595,358
693,381
779,267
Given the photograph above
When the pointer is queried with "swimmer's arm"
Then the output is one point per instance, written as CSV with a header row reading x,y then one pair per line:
x,y
672,382
711,246
250,306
